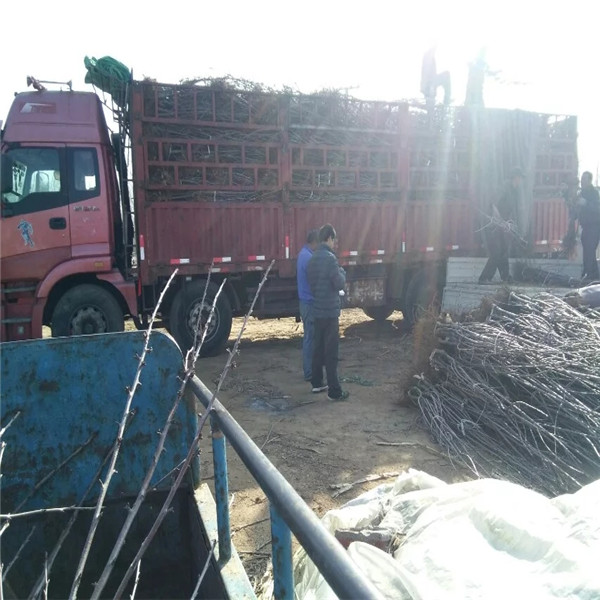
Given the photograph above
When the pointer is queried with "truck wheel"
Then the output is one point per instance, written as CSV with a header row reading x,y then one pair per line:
x,y
187,308
422,295
86,309
378,313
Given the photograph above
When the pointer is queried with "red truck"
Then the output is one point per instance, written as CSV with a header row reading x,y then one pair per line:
x,y
237,178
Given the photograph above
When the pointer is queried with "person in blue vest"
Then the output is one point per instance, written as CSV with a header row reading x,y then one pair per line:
x,y
306,301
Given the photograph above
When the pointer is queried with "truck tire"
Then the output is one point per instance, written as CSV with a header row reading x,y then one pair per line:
x,y
378,313
422,295
184,316
86,309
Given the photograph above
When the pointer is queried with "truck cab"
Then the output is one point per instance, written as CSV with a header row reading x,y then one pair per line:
x,y
60,219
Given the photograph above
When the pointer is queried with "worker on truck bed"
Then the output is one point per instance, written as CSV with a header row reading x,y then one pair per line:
x,y
326,279
478,71
431,79
501,229
588,210
306,301
569,191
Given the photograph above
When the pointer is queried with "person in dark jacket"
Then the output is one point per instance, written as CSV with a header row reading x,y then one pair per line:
x,y
326,279
589,221
497,235
431,79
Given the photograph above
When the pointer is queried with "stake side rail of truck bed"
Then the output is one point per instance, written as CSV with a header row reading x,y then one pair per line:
x,y
238,178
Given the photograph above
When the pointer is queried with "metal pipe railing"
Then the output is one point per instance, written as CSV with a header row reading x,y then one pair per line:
x,y
288,508
281,556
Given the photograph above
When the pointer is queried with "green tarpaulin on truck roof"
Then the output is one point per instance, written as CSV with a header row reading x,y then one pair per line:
x,y
109,75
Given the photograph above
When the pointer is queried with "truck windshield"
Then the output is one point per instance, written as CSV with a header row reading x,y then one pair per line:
x,y
33,170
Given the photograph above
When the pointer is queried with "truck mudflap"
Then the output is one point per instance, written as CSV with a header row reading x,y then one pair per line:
x,y
63,399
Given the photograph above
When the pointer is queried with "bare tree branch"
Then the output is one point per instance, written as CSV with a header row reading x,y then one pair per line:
x,y
37,589
42,511
112,559
169,474
111,468
2,431
267,438
203,573
2,447
198,325
137,579
342,488
251,524
418,444
45,479
192,450
46,578
18,553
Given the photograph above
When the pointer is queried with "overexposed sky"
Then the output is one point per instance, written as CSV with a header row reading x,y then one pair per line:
x,y
547,52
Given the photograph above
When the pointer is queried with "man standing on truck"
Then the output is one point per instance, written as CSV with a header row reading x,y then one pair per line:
x,y
431,79
478,71
569,192
306,301
501,230
326,279
589,220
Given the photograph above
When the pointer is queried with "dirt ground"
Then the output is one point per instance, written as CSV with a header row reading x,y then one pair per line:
x,y
314,442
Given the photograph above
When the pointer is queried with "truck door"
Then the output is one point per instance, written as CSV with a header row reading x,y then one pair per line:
x,y
34,224
90,220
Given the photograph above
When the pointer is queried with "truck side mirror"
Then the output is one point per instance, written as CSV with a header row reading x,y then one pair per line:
x,y
6,176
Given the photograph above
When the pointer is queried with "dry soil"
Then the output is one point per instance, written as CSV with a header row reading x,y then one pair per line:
x,y
314,442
